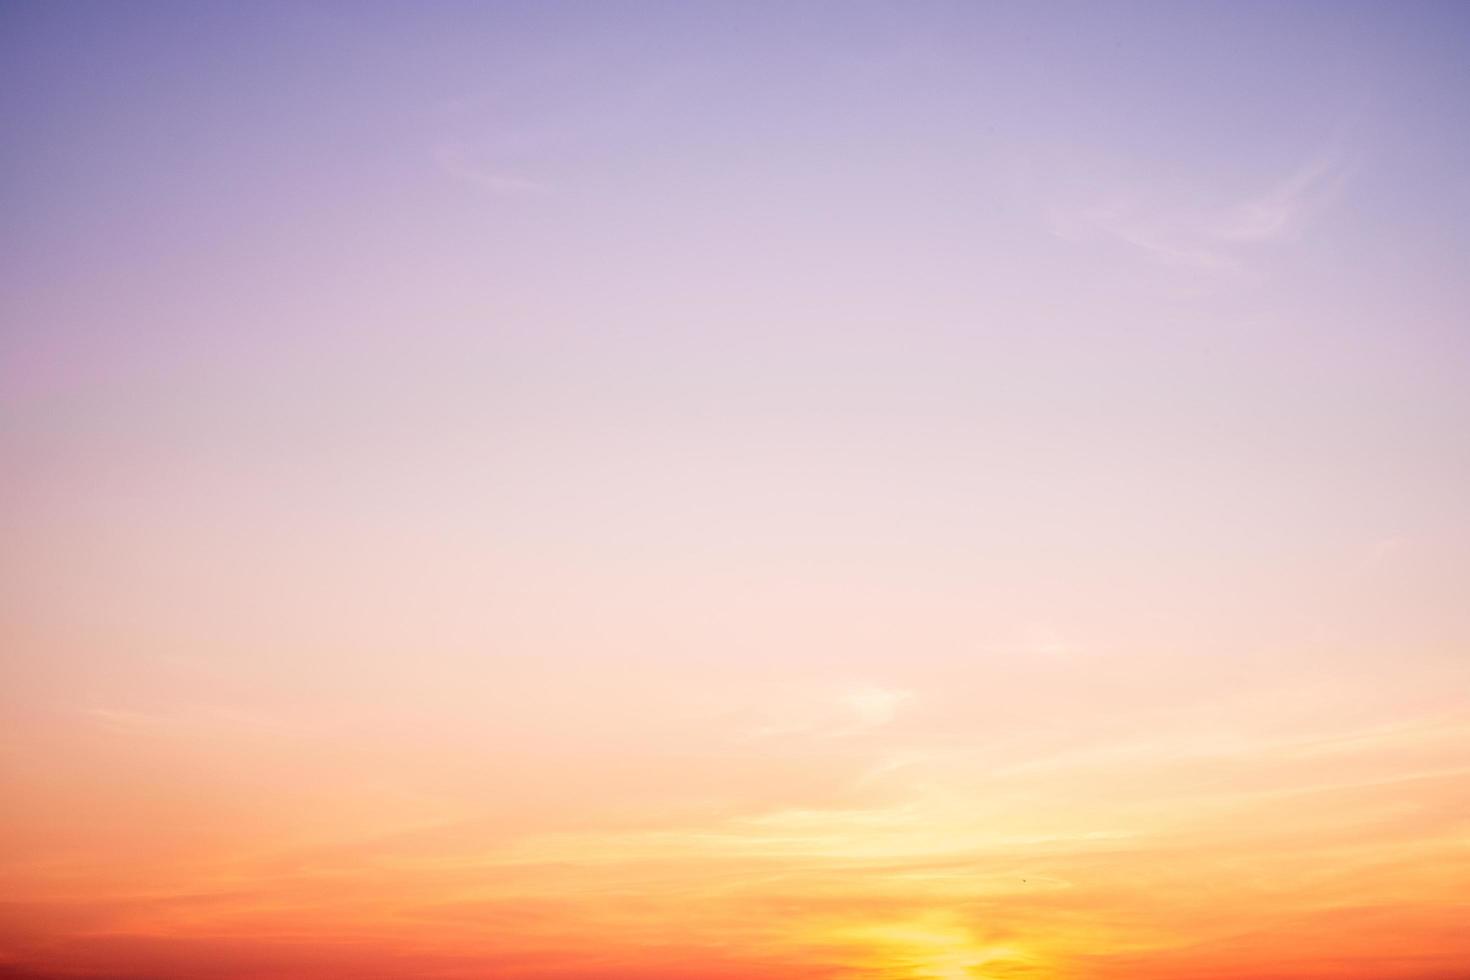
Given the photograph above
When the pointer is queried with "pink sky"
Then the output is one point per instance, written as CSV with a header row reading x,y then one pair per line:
x,y
642,491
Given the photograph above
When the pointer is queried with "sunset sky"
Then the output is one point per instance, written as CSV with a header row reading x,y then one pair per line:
x,y
734,490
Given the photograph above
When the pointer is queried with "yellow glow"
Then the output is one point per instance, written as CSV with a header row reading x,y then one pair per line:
x,y
935,947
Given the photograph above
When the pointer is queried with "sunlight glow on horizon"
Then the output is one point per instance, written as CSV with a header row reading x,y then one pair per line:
x,y
721,490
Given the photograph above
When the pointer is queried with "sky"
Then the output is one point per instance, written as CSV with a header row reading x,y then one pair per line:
x,y
708,490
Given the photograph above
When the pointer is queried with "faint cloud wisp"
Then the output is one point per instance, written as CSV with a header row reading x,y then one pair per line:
x,y
454,161
1185,233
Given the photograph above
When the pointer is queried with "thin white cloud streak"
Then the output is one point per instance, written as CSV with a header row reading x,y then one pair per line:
x,y
190,722
1189,235
453,161
1281,211
853,712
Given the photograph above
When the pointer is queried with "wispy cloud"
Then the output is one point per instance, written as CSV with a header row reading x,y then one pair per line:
x,y
1186,232
455,161
190,722
1281,210
875,706
850,712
